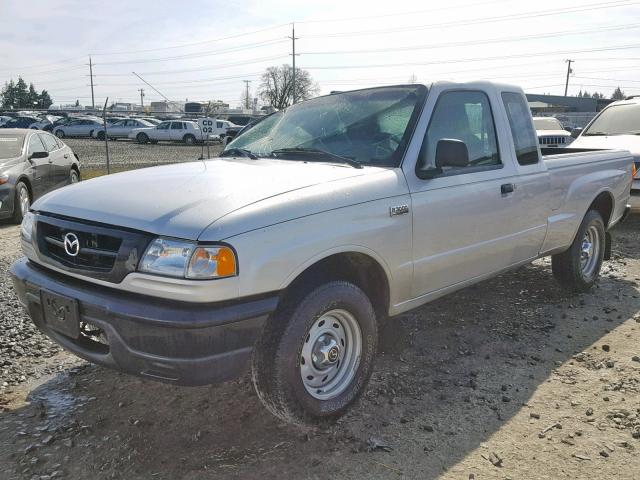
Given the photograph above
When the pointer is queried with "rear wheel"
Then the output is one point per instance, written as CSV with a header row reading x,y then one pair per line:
x,y
578,268
100,135
189,139
142,138
22,202
60,133
316,353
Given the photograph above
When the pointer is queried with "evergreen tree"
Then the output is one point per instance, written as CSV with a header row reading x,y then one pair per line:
x,y
44,99
618,94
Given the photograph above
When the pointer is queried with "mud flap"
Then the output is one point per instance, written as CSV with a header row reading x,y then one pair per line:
x,y
607,246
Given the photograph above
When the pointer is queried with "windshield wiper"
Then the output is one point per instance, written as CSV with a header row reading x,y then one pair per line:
x,y
596,134
239,152
315,151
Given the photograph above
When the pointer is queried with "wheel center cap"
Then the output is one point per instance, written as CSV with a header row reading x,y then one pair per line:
x,y
326,352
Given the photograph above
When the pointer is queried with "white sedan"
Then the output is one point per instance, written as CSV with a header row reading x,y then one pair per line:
x,y
122,128
171,131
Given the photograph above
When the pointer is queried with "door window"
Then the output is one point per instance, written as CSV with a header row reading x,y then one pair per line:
x,y
524,136
35,145
49,142
176,126
219,125
464,116
163,126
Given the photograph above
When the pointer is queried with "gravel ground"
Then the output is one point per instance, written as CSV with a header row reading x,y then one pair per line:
x,y
125,153
508,379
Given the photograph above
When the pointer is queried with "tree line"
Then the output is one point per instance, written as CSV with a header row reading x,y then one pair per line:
x,y
18,95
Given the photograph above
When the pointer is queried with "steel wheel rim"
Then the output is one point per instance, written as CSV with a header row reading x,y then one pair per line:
x,y
590,251
23,196
330,354
74,177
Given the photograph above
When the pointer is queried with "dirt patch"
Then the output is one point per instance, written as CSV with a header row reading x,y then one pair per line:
x,y
511,378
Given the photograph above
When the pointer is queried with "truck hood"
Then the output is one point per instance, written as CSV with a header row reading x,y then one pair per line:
x,y
181,200
620,142
553,133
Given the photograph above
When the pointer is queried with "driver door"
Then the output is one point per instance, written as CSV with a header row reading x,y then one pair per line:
x,y
41,175
161,132
463,224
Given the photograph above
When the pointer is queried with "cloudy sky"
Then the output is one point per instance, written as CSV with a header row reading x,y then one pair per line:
x,y
203,50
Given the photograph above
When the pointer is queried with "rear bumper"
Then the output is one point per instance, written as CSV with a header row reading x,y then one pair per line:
x,y
177,342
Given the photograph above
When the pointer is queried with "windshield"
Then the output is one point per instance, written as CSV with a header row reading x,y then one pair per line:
x,y
370,126
10,146
547,124
617,120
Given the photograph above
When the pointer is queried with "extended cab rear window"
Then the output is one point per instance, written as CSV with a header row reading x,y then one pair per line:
x,y
524,136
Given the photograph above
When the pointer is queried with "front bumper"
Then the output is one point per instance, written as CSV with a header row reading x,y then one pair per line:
x,y
177,342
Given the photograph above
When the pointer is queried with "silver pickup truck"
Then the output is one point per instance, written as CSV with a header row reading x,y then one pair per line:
x,y
315,224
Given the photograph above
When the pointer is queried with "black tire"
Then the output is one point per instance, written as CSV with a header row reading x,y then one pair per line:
x,y
153,142
60,133
100,135
575,269
277,361
19,208
189,139
142,138
74,176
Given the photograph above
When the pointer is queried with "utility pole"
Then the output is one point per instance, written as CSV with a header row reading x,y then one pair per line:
x,y
141,90
293,56
569,71
93,102
246,98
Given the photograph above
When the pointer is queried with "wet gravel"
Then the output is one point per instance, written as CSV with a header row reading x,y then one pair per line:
x,y
92,152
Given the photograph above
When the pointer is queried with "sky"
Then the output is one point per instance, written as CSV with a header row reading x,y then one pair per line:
x,y
203,50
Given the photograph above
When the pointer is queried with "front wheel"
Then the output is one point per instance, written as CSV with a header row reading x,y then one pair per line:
x,y
578,268
60,133
142,138
316,353
100,135
22,202
74,176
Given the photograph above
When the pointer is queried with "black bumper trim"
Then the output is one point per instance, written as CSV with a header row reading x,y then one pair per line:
x,y
178,342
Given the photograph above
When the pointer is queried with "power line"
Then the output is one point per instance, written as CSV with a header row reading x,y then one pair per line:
x,y
476,59
399,14
517,16
185,45
202,54
189,70
561,33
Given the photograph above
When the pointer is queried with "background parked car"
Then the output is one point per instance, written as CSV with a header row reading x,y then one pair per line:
x,y
616,126
79,127
122,128
45,121
22,121
173,131
4,119
551,133
32,163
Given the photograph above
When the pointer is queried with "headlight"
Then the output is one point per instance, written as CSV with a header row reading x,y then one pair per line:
x,y
175,258
26,227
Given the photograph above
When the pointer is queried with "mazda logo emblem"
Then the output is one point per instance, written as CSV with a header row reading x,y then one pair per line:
x,y
71,244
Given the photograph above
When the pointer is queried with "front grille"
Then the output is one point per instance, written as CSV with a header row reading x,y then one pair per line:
x,y
552,140
96,252
103,252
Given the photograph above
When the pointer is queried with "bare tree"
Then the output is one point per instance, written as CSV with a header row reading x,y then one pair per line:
x,y
276,86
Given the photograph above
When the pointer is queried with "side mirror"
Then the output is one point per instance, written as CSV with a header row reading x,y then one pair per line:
x,y
576,132
36,155
451,153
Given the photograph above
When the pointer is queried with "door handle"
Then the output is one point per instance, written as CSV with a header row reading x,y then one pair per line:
x,y
507,188
66,155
